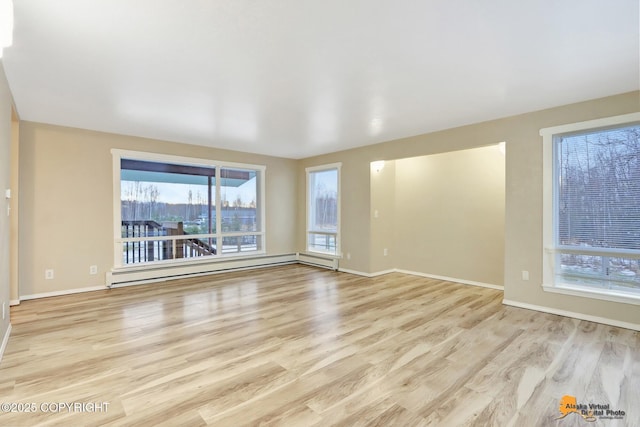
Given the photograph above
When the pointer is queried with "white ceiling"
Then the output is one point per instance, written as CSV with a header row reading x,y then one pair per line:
x,y
295,78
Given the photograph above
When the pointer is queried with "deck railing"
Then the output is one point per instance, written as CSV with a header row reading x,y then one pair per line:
x,y
145,242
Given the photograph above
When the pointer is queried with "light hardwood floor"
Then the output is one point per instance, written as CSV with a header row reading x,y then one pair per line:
x,y
300,346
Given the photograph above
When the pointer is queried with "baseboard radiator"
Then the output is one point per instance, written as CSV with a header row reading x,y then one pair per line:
x,y
318,260
148,274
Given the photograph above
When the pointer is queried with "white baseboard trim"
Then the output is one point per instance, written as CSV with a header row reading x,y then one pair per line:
x,y
158,273
14,302
64,292
429,276
146,276
356,272
208,273
572,314
382,273
452,279
5,341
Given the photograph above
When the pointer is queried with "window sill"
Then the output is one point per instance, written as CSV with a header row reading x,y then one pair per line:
x,y
606,295
187,261
322,254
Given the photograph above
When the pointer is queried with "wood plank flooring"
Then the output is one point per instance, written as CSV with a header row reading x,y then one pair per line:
x,y
300,346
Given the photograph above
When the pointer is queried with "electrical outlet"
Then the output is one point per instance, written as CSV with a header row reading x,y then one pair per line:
x,y
48,274
348,255
385,252
93,269
525,275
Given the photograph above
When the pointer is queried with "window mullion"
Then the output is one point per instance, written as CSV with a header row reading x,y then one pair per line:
x,y
219,241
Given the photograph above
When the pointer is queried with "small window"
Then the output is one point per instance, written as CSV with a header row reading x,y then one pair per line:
x,y
593,230
323,209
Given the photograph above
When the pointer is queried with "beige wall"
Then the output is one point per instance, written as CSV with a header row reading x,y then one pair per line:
x,y
450,215
384,222
66,207
523,195
66,170
5,183
14,293
441,214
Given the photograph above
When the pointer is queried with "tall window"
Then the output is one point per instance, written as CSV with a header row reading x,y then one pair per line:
x,y
595,218
323,209
172,208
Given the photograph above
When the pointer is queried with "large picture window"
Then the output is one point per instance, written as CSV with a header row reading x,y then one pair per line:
x,y
593,230
323,209
178,209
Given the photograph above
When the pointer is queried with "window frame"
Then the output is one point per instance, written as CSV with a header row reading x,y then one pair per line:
x,y
219,235
550,215
308,231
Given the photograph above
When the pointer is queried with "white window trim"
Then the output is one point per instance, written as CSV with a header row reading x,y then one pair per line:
x,y
338,233
548,213
119,154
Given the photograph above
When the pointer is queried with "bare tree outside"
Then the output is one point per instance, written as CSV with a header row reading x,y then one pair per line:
x,y
599,202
